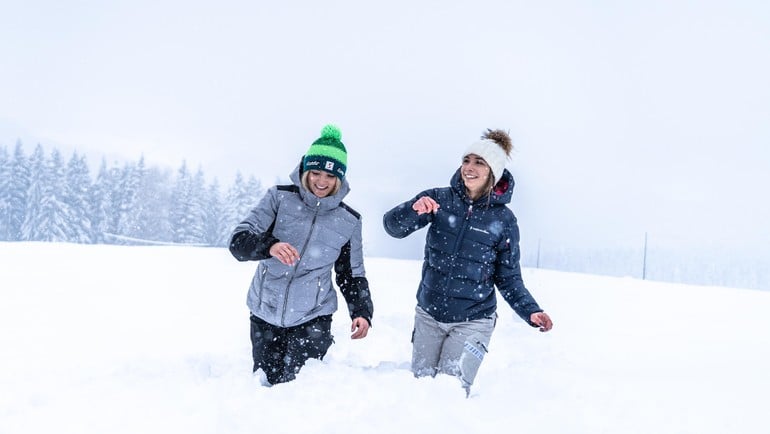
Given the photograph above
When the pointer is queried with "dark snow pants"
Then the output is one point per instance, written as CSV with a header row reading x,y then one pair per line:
x,y
281,351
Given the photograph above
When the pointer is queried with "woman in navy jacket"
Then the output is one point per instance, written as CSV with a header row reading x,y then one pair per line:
x,y
472,246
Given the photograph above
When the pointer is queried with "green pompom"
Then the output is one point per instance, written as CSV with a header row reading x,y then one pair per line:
x,y
331,131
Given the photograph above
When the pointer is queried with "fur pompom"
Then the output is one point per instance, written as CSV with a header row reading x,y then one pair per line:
x,y
501,138
332,131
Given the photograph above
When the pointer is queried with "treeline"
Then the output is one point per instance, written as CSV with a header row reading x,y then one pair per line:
x,y
44,198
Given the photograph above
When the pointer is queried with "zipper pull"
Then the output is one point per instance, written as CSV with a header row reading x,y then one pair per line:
x,y
470,209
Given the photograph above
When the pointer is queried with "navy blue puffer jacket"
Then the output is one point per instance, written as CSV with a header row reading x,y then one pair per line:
x,y
471,247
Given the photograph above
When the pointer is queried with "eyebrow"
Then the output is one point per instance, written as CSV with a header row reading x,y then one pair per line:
x,y
477,158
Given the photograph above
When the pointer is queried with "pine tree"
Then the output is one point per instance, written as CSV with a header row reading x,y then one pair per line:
x,y
151,215
5,194
181,215
213,215
56,209
34,226
114,199
231,212
99,204
129,207
252,195
47,215
17,192
197,210
240,199
77,191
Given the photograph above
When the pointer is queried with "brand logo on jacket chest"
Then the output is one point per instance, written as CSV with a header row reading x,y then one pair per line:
x,y
473,228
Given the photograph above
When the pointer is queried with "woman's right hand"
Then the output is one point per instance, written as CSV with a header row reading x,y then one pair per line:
x,y
425,205
284,252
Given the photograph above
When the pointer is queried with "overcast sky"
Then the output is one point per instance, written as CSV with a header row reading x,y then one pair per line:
x,y
626,116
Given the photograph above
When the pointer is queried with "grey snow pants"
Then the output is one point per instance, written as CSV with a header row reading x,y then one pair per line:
x,y
449,348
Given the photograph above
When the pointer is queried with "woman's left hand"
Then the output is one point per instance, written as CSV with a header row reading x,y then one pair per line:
x,y
542,320
359,328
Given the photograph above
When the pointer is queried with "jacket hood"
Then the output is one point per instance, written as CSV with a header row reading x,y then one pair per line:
x,y
326,203
501,193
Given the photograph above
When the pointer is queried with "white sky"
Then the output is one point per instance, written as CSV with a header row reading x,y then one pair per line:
x,y
627,116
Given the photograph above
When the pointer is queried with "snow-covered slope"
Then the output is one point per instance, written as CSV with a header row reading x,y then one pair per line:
x,y
98,339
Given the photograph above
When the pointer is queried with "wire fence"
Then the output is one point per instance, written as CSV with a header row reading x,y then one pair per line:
x,y
710,265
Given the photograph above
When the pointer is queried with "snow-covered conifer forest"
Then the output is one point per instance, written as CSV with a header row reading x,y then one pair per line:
x,y
46,196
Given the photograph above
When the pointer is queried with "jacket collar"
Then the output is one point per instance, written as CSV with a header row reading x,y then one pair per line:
x,y
501,193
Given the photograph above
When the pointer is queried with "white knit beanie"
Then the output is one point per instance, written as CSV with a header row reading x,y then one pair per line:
x,y
494,147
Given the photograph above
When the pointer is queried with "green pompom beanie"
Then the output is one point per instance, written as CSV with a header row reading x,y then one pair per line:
x,y
327,153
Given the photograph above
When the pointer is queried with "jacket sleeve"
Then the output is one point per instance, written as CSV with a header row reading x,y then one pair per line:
x,y
508,276
252,238
402,220
351,278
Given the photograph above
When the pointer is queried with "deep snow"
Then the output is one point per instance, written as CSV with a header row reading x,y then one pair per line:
x,y
99,339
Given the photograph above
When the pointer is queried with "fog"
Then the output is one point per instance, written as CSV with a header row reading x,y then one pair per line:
x,y
627,119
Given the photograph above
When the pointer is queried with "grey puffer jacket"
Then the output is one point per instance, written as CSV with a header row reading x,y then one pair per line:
x,y
326,232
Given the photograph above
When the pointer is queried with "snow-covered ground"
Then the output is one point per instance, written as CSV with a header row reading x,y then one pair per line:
x,y
107,339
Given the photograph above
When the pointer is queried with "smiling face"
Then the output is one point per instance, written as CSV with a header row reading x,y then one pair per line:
x,y
321,183
476,175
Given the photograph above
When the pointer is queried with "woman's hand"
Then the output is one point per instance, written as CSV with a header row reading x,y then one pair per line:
x,y
542,320
425,205
359,328
284,252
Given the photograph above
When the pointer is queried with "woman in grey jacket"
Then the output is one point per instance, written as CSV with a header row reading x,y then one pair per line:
x,y
298,233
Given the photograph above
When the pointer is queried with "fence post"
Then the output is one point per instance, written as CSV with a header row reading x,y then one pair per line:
x,y
644,258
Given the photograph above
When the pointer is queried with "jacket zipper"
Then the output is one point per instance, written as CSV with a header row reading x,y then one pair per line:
x,y
461,234
262,283
459,241
318,291
301,254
